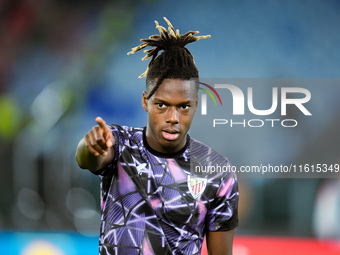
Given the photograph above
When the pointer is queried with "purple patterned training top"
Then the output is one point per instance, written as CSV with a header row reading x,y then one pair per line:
x,y
154,203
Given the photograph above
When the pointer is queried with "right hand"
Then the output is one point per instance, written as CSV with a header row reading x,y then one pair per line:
x,y
99,139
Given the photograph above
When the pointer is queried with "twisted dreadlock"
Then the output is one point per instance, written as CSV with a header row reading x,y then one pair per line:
x,y
175,62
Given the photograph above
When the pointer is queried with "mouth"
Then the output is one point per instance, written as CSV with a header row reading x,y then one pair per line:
x,y
170,135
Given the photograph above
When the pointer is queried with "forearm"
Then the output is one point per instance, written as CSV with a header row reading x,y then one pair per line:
x,y
87,160
220,243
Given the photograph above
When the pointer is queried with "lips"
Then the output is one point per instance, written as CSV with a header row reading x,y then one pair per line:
x,y
170,134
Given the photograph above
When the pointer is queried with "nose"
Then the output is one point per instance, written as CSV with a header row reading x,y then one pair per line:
x,y
172,116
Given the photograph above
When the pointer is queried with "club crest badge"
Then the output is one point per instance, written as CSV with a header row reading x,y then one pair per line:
x,y
196,185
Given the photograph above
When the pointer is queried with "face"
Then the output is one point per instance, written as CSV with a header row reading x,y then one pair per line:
x,y
170,112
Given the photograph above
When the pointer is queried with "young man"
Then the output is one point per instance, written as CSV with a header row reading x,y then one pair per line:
x,y
153,202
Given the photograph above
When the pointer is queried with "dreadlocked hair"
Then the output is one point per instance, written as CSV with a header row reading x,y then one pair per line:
x,y
175,62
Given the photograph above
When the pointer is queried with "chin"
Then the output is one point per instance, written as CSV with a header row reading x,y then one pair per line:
x,y
173,144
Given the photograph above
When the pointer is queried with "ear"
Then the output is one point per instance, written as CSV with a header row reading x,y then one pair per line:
x,y
144,101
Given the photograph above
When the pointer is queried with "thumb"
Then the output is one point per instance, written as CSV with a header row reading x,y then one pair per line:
x,y
110,140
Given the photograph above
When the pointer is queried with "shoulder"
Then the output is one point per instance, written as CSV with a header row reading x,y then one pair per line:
x,y
125,130
126,139
204,153
123,133
208,163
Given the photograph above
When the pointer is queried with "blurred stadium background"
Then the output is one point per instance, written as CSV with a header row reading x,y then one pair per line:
x,y
63,62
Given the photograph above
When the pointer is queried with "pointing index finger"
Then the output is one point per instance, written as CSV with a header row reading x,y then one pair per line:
x,y
101,123
106,131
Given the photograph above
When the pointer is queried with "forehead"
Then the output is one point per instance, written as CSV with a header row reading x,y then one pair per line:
x,y
175,89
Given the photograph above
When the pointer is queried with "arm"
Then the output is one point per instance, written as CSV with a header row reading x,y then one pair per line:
x,y
95,150
220,242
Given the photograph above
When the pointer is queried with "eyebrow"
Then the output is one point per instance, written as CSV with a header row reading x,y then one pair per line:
x,y
165,102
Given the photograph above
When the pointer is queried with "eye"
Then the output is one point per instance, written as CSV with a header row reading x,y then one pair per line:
x,y
160,105
185,107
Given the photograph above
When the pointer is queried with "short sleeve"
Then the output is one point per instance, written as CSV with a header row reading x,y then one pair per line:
x,y
107,173
223,213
